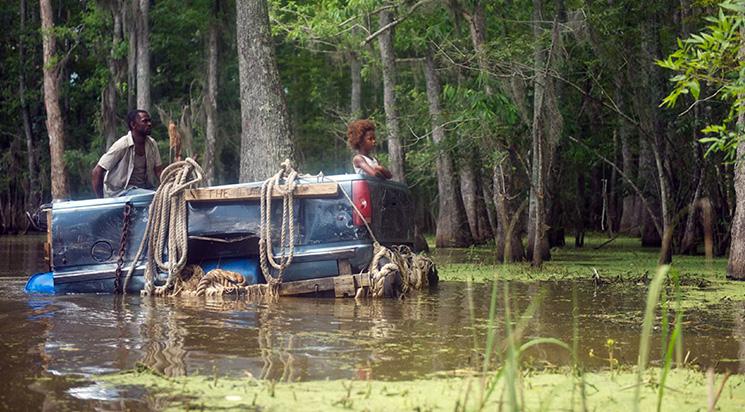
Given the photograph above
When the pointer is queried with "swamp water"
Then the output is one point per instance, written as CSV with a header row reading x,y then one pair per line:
x,y
54,346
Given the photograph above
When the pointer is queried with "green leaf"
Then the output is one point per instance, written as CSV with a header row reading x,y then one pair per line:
x,y
695,88
736,7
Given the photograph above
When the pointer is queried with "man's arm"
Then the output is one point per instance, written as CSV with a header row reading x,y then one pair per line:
x,y
158,170
97,180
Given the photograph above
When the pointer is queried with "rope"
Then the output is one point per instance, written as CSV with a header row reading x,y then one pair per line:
x,y
166,230
402,263
402,271
287,227
193,282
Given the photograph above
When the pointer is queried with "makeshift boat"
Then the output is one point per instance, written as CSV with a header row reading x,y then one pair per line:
x,y
336,221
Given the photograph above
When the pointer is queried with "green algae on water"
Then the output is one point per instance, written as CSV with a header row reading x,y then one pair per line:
x,y
622,262
687,390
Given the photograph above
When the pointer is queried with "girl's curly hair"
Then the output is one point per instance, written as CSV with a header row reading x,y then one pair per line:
x,y
356,131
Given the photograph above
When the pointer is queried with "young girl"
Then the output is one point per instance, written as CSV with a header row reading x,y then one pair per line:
x,y
361,137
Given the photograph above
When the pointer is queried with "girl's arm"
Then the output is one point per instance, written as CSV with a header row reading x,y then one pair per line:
x,y
383,172
378,171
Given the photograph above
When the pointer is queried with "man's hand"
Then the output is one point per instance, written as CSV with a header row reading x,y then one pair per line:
x,y
97,175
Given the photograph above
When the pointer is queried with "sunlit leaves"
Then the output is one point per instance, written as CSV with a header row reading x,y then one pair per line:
x,y
711,58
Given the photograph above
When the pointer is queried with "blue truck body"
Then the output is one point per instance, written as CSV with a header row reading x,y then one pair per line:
x,y
85,236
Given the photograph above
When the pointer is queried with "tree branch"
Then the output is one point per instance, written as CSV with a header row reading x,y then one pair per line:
x,y
394,23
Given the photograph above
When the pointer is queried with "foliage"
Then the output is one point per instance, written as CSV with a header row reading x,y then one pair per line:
x,y
606,46
713,58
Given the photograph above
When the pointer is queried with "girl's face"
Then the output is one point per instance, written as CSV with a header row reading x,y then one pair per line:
x,y
368,141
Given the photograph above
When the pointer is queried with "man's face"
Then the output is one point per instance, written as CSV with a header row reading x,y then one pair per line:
x,y
142,124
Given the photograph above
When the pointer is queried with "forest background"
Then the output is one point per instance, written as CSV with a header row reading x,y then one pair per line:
x,y
512,121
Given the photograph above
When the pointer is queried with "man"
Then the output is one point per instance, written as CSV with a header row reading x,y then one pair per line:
x,y
133,161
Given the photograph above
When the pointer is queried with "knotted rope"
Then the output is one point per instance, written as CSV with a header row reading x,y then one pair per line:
x,y
412,270
287,226
402,271
166,230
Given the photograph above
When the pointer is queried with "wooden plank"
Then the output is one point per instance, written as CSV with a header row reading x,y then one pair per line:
x,y
344,286
301,287
211,194
363,279
345,268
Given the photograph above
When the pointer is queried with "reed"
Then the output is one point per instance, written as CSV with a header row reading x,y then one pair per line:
x,y
653,296
674,343
510,353
508,375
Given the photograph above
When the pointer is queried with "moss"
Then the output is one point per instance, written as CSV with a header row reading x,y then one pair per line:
x,y
685,390
623,260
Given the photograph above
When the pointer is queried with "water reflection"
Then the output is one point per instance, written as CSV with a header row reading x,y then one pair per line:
x,y
293,339
302,339
21,256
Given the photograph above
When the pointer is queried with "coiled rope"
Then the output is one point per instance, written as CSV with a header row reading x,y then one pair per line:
x,y
287,226
166,230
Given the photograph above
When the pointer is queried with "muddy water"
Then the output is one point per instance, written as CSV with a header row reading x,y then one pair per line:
x,y
52,345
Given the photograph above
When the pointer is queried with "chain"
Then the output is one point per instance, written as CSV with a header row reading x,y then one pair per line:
x,y
122,248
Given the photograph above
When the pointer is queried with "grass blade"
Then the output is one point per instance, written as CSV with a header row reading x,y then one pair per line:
x,y
653,296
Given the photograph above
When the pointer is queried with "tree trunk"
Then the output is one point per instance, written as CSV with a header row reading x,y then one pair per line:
x,y
689,244
388,59
31,194
473,200
143,55
581,211
546,129
611,198
54,122
186,129
473,188
452,227
509,247
629,224
109,94
210,98
736,263
130,19
666,247
487,189
655,126
650,236
265,126
468,192
708,225
355,70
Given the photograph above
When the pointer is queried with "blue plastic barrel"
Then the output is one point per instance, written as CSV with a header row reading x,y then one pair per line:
x,y
40,283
